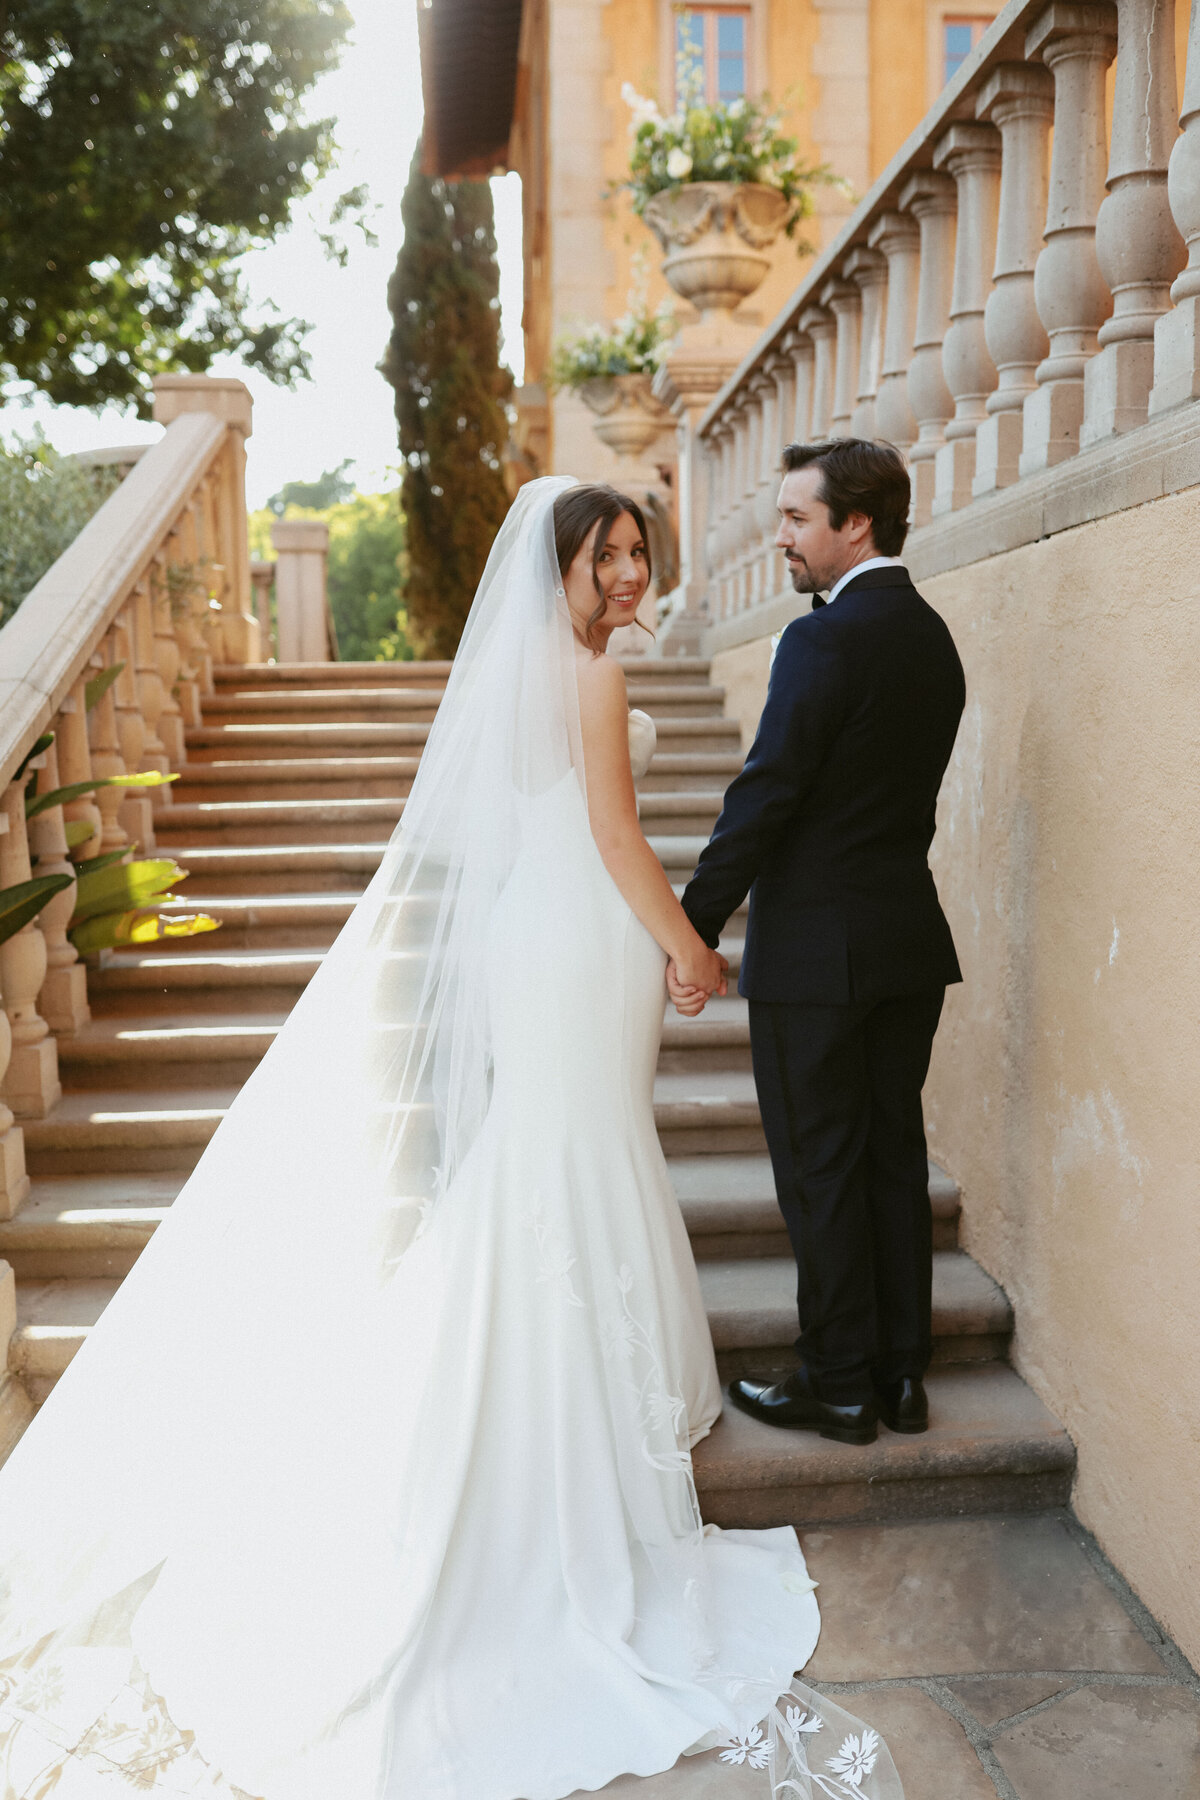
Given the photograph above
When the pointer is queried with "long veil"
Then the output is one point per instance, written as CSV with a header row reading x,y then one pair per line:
x,y
236,1399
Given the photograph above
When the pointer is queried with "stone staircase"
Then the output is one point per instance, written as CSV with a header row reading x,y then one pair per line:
x,y
290,790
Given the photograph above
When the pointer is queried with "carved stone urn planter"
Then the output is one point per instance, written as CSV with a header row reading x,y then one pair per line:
x,y
715,235
628,417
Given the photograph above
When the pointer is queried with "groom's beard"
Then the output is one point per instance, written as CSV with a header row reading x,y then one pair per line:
x,y
803,579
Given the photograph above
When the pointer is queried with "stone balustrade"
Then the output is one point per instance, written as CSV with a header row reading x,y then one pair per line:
x,y
1015,304
157,584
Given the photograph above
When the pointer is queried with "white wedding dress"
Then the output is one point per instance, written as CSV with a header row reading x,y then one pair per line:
x,y
374,1482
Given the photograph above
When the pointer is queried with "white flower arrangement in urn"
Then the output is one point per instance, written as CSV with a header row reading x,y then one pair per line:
x,y
716,182
612,368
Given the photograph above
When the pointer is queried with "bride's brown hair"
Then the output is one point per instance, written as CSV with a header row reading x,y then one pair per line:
x,y
575,513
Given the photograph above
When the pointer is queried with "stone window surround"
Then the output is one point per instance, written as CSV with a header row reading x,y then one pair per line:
x,y
936,14
756,30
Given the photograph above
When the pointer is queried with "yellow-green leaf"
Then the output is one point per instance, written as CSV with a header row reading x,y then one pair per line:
x,y
123,885
78,832
25,900
98,686
143,778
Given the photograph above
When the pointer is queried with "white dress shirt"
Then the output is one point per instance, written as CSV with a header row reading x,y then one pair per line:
x,y
872,562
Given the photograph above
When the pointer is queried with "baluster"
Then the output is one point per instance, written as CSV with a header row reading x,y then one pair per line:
x,y
799,346
769,387
1177,333
106,757
203,610
169,657
898,238
63,1001
867,269
970,154
31,1084
845,302
716,538
752,414
137,812
821,327
75,765
1018,98
1139,250
150,694
262,578
782,366
930,197
1076,43
14,1182
734,522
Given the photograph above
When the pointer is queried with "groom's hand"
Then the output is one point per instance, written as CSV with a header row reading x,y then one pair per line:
x,y
688,999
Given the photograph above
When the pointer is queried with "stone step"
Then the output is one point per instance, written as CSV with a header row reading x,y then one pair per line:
x,y
247,823
53,1321
178,1043
751,1307
232,978
245,869
729,1206
86,1225
232,677
108,1131
419,704
991,1447
219,743
296,778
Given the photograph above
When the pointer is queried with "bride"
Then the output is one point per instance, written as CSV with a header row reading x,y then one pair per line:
x,y
374,1481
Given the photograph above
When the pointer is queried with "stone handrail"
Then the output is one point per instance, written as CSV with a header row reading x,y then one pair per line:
x,y
1013,302
158,581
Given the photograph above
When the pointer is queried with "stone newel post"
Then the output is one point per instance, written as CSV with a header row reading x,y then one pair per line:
x,y
1077,44
301,550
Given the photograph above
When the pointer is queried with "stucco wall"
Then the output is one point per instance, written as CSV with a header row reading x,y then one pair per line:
x,y
1065,1087
1065,1090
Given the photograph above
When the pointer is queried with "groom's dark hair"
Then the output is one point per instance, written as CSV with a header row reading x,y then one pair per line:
x,y
575,512
860,476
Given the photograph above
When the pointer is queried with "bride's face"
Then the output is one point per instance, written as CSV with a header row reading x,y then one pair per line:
x,y
621,570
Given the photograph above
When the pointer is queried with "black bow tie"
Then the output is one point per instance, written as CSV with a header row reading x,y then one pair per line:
x,y
819,600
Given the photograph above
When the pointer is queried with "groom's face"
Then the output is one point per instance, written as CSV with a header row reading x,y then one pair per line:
x,y
816,554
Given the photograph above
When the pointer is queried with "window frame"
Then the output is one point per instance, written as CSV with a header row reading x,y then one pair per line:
x,y
952,12
753,11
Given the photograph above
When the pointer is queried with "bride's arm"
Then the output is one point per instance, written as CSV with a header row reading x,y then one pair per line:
x,y
612,812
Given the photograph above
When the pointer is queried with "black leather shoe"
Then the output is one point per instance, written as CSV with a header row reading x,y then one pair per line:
x,y
903,1405
791,1402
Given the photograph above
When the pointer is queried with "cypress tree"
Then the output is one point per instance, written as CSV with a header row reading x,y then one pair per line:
x,y
443,360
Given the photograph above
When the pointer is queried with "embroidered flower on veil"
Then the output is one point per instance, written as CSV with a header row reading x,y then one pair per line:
x,y
799,1721
856,1758
751,1748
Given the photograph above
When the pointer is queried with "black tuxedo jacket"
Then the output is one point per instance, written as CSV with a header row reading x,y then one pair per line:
x,y
829,824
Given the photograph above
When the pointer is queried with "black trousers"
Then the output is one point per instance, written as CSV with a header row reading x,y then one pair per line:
x,y
839,1088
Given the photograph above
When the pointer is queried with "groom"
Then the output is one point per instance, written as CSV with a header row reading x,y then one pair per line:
x,y
847,950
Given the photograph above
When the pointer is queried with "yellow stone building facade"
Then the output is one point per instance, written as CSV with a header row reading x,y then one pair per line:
x,y
853,77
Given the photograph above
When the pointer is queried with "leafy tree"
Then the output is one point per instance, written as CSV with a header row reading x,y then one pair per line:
x,y
443,359
143,149
327,490
366,571
45,501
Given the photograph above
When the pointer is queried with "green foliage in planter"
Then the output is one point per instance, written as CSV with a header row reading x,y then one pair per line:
x,y
75,790
45,502
145,150
443,360
733,140
635,344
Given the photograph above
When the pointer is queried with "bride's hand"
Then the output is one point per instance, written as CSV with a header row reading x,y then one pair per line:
x,y
693,978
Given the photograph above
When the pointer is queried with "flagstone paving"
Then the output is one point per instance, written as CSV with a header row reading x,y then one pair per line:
x,y
1001,1658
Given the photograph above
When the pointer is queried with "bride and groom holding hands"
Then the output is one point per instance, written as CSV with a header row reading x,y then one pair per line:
x,y
375,1479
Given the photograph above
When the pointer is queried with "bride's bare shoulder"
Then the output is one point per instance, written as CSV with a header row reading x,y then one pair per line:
x,y
601,683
